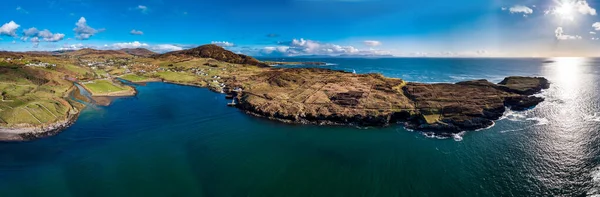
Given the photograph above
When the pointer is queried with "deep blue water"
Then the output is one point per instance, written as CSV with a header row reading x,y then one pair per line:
x,y
173,140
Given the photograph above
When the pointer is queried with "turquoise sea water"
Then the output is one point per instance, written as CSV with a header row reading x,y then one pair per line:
x,y
173,140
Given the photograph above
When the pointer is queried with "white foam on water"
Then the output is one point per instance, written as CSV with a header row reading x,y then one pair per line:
x,y
330,64
433,136
493,124
458,136
512,130
514,115
539,121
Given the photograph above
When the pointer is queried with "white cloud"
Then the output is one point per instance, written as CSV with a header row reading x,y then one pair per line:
x,y
14,42
303,46
223,43
372,43
20,9
50,37
160,48
279,49
9,29
584,8
45,34
83,31
559,33
593,33
566,8
72,47
520,9
136,32
135,44
596,26
142,8
31,31
35,39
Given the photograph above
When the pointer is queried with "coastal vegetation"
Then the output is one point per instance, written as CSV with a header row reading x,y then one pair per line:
x,y
31,97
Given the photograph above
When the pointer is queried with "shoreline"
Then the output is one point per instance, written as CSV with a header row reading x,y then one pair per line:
x,y
28,133
410,122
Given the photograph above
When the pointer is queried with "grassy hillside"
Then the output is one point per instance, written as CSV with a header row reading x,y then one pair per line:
x,y
32,95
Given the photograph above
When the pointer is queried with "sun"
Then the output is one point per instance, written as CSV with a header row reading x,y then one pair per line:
x,y
565,9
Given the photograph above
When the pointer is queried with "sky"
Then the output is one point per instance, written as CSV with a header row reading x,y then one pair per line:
x,y
282,28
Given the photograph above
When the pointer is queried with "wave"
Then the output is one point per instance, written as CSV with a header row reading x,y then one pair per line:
x,y
455,136
493,124
515,116
458,136
539,121
330,64
512,130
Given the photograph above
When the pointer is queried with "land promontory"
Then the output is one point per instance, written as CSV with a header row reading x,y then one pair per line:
x,y
40,91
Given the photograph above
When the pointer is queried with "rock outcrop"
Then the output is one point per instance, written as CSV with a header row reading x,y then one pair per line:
x,y
322,96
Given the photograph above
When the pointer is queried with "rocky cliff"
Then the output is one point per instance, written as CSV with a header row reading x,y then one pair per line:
x,y
321,96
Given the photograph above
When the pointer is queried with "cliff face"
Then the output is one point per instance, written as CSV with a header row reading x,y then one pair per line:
x,y
321,96
216,52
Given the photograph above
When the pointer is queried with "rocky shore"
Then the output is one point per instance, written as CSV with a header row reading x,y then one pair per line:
x,y
327,97
26,132
306,95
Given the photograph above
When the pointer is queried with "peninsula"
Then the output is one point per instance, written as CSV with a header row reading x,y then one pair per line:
x,y
40,94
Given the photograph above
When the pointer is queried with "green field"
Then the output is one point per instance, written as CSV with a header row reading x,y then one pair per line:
x,y
31,95
177,77
103,87
134,78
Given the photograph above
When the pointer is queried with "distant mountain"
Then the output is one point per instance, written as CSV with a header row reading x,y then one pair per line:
x,y
364,55
332,56
142,52
214,52
88,52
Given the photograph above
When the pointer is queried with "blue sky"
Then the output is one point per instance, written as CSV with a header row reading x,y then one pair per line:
x,y
506,28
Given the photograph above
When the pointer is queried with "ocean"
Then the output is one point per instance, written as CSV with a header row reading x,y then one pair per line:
x,y
173,140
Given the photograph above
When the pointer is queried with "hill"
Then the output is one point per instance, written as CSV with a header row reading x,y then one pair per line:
x,y
88,52
215,52
139,52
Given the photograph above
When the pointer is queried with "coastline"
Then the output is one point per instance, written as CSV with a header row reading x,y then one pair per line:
x,y
28,132
412,122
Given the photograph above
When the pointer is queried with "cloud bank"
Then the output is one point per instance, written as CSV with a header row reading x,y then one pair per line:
x,y
223,43
300,47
